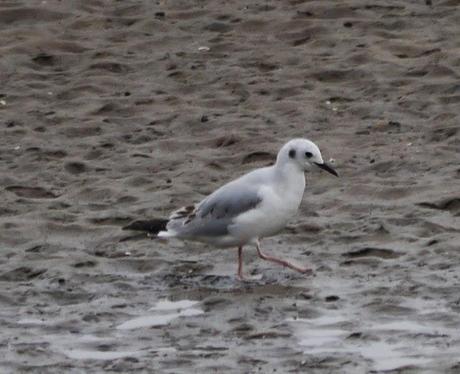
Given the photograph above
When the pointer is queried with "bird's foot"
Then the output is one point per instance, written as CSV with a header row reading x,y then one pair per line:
x,y
307,271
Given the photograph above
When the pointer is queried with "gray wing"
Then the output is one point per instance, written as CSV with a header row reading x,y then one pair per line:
x,y
212,216
229,202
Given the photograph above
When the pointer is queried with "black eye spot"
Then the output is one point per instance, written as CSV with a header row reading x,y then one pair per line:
x,y
292,153
308,154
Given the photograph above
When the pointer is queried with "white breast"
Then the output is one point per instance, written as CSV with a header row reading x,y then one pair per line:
x,y
280,203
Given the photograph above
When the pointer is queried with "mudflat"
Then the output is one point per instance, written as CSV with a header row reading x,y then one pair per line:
x,y
113,111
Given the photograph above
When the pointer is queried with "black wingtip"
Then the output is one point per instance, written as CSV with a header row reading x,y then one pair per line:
x,y
152,226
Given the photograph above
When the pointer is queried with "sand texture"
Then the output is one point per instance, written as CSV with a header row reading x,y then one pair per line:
x,y
112,111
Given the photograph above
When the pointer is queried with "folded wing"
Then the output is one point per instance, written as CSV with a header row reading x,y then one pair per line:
x,y
212,216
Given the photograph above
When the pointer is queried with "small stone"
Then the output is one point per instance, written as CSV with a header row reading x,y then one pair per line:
x,y
218,27
44,59
171,66
75,167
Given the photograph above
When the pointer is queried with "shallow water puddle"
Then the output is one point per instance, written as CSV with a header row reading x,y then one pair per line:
x,y
392,345
110,346
32,321
174,305
164,312
85,347
93,354
320,333
367,335
390,356
80,354
321,337
157,320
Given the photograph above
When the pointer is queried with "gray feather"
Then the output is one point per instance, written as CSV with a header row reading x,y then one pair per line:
x,y
227,203
212,216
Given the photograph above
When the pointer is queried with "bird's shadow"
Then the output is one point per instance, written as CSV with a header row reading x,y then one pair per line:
x,y
203,280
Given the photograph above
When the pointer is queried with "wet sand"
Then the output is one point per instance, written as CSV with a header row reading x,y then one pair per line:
x,y
115,111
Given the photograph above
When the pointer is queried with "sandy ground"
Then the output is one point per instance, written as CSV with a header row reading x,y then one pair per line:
x,y
113,111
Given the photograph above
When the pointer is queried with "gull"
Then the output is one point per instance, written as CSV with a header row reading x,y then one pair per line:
x,y
256,205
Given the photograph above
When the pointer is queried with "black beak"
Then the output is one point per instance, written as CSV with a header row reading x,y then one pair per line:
x,y
327,167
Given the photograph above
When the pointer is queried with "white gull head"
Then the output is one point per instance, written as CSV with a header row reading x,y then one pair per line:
x,y
302,154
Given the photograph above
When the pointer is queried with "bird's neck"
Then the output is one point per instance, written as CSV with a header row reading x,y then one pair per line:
x,y
291,179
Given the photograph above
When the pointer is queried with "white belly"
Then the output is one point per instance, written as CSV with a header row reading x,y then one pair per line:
x,y
270,217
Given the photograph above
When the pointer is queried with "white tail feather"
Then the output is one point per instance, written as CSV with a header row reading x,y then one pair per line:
x,y
167,234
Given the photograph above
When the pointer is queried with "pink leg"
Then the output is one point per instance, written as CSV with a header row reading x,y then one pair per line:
x,y
280,261
240,263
